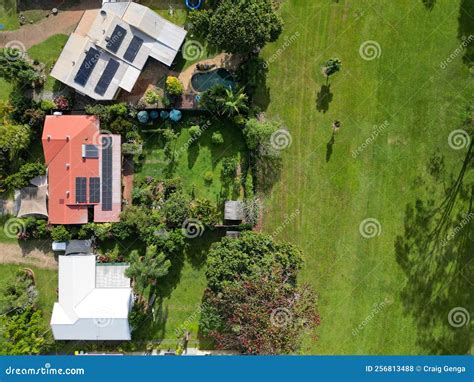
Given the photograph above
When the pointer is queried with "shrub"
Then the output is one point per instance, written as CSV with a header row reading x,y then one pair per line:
x,y
217,138
174,87
152,97
47,105
229,167
60,233
143,117
195,131
208,177
22,178
61,102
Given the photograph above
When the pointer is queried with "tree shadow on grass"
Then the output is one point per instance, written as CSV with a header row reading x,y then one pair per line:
x,y
435,253
429,4
466,30
324,98
329,147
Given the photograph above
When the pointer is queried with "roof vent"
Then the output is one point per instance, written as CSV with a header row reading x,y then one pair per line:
x,y
103,13
67,166
68,138
67,194
57,113
49,138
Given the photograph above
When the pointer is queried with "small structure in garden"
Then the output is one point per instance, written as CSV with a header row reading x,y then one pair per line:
x,y
94,300
233,212
78,247
31,200
233,234
110,47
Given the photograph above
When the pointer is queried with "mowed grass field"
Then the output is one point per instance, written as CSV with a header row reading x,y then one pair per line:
x,y
414,102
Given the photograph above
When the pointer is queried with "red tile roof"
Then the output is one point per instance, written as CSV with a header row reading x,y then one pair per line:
x,y
63,140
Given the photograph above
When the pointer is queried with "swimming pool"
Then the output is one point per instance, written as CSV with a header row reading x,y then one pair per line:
x,y
202,81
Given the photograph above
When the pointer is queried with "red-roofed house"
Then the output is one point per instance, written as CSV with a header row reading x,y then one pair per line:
x,y
84,170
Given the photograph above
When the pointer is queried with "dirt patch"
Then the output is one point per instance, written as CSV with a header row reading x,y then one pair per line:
x,y
30,253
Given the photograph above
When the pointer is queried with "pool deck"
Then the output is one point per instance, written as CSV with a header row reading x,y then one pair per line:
x,y
223,60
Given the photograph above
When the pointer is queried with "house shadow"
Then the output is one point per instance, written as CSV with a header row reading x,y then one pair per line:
x,y
324,98
435,253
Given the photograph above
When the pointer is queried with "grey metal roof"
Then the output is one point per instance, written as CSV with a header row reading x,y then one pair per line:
x,y
75,247
233,210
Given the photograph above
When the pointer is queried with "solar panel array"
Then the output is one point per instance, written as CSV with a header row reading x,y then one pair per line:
x,y
107,76
87,66
116,39
81,184
94,190
133,49
90,151
107,173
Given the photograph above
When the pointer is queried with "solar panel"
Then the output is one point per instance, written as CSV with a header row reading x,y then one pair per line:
x,y
94,190
114,42
106,173
133,49
107,76
81,184
87,66
90,151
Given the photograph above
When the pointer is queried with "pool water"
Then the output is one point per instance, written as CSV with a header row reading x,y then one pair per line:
x,y
204,80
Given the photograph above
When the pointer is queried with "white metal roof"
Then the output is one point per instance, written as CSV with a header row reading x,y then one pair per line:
x,y
85,308
161,40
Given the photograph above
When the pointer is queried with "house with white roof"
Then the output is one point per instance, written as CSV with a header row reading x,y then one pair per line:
x,y
94,299
110,47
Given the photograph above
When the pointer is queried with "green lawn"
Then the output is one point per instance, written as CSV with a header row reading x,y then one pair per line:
x,y
334,192
5,89
8,15
46,282
193,163
48,52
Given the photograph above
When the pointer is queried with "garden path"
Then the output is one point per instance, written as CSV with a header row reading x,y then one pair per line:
x,y
63,23
29,254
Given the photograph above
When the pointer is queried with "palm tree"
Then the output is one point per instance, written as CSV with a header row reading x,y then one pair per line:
x,y
234,103
145,270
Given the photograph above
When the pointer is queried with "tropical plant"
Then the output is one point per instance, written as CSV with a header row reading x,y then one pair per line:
x,y
233,103
174,87
146,270
332,66
60,233
152,97
217,138
26,172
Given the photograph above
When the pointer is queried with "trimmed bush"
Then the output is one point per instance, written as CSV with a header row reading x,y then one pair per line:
x,y
217,138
